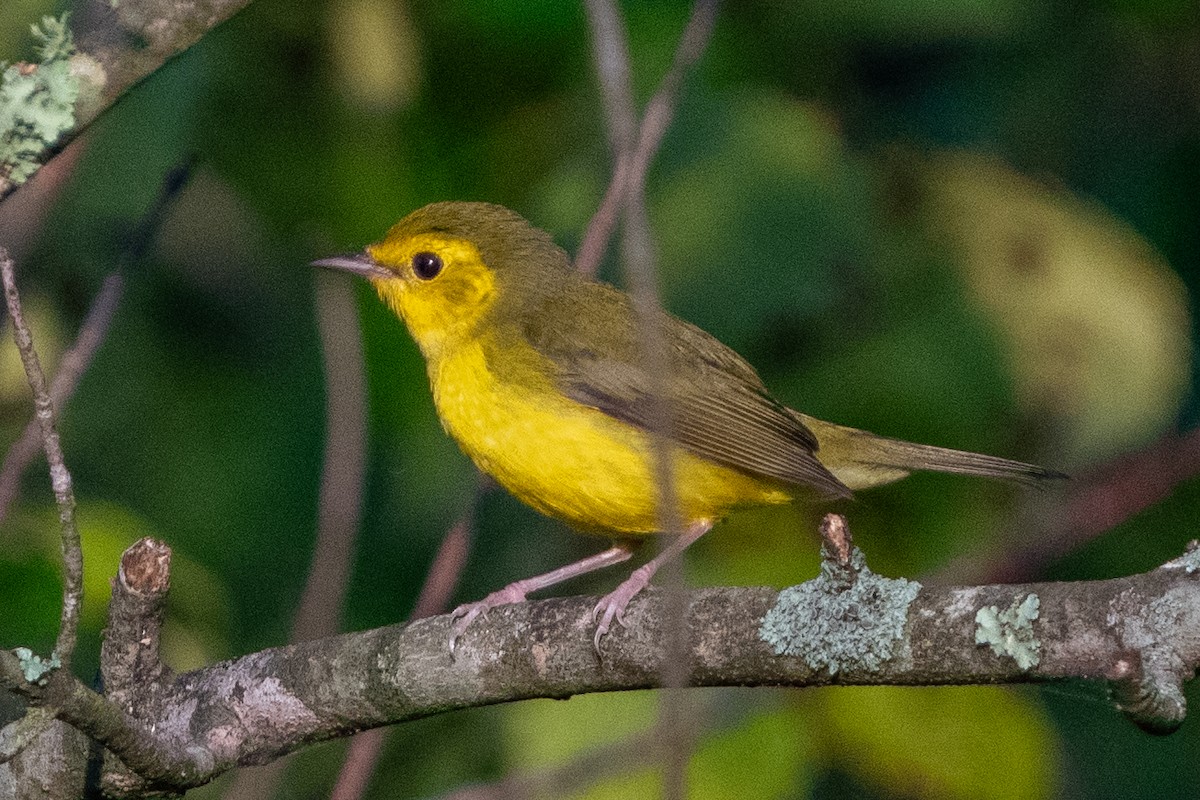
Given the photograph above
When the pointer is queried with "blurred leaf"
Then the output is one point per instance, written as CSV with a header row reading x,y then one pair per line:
x,y
762,213
761,757
942,743
639,782
196,631
1094,322
376,53
542,733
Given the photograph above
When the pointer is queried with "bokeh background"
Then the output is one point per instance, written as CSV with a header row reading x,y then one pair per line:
x,y
966,222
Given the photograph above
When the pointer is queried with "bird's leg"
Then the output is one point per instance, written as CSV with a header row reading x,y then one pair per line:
x,y
612,605
516,592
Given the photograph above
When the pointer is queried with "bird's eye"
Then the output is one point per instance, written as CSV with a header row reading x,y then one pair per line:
x,y
426,266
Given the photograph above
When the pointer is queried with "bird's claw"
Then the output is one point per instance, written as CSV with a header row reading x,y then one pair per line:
x,y
462,617
460,620
612,606
606,611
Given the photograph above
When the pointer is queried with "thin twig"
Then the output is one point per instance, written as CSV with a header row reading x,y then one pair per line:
x,y
632,158
610,51
674,707
627,192
60,477
362,755
74,363
92,333
342,477
446,570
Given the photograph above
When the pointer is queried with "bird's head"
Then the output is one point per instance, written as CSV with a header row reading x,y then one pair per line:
x,y
446,266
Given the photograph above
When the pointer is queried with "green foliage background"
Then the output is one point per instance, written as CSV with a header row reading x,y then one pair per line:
x,y
826,202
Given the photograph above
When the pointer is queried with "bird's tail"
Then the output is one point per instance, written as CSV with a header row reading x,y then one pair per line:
x,y
861,459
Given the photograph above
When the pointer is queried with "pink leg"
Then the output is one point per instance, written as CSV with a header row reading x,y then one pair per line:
x,y
612,605
465,614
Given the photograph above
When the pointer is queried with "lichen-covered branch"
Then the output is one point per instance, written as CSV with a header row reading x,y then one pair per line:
x,y
1140,635
47,103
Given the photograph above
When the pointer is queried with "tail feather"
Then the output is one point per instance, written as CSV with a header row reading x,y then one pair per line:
x,y
861,459
912,456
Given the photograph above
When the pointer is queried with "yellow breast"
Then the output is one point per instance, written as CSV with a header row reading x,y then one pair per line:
x,y
570,461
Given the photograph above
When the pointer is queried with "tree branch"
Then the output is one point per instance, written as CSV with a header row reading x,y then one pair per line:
x,y
1140,634
84,76
60,477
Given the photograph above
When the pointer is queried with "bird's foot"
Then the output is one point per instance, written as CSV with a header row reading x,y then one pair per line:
x,y
612,606
462,617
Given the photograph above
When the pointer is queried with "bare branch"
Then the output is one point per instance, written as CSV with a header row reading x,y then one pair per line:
x,y
92,333
340,504
20,734
632,157
60,477
363,753
1139,634
75,362
149,755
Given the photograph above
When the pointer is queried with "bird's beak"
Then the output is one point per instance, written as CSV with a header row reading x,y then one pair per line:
x,y
356,263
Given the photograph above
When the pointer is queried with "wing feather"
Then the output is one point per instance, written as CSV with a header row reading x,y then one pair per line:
x,y
720,409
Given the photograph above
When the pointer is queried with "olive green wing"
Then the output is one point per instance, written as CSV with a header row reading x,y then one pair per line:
x,y
718,406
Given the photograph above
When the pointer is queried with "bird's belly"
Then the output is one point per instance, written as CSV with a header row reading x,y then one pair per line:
x,y
573,462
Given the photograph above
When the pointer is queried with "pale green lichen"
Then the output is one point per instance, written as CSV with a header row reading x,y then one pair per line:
x,y
1010,632
37,102
1190,560
54,38
835,624
35,668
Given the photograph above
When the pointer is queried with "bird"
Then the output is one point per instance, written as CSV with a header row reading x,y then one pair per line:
x,y
539,373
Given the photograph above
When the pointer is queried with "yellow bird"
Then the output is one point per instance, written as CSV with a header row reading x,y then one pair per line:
x,y
537,372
